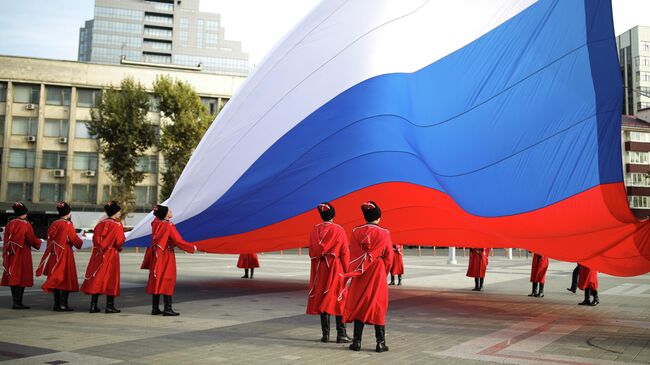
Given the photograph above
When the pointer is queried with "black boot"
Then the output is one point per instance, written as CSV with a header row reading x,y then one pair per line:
x,y
110,305
20,292
325,327
358,331
380,335
541,291
595,302
399,280
392,279
480,284
245,274
341,333
93,303
64,301
14,297
534,292
476,288
155,305
168,311
586,301
252,271
58,301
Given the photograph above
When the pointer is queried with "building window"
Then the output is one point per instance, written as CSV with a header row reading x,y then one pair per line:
x,y
54,160
147,164
157,32
88,98
637,179
85,161
51,193
84,193
17,192
639,202
645,46
643,105
3,92
211,104
55,128
184,23
81,130
57,95
145,196
21,158
162,5
642,76
642,61
155,18
117,26
639,158
116,40
22,126
156,58
162,45
27,94
117,13
638,136
107,192
2,125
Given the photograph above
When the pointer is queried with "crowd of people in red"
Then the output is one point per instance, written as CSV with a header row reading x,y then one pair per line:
x,y
348,279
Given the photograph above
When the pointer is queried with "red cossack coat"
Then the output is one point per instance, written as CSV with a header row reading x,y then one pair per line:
x,y
16,254
162,267
538,269
478,262
103,271
330,255
398,260
57,262
587,278
371,257
248,261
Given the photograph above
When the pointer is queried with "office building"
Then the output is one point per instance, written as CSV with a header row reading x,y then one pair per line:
x,y
47,154
168,32
634,55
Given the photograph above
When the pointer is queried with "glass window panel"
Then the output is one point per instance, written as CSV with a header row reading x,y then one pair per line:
x,y
84,193
85,161
55,128
81,130
3,91
88,98
2,124
28,94
57,95
19,191
22,126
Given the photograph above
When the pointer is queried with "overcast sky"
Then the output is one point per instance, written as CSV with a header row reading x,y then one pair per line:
x,y
50,28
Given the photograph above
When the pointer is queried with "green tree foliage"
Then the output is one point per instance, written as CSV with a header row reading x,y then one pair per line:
x,y
186,121
120,124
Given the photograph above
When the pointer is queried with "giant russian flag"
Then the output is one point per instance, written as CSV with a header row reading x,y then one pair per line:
x,y
491,123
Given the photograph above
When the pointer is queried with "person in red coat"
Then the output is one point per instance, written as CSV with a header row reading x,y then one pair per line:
x,y
17,256
103,271
248,261
371,257
478,262
330,255
58,262
398,265
162,264
538,275
588,281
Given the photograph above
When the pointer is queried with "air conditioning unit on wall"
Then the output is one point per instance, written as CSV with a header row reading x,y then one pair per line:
x,y
63,140
89,173
59,173
30,139
30,106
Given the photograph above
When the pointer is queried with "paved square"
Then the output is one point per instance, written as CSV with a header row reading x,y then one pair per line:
x,y
433,318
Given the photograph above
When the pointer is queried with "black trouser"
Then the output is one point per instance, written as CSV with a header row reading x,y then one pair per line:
x,y
574,278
